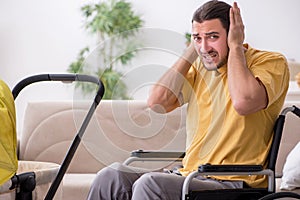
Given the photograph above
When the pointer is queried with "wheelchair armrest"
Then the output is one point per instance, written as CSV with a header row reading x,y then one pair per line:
x,y
157,154
229,168
223,170
165,156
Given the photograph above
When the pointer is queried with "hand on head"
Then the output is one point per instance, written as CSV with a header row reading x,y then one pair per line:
x,y
236,33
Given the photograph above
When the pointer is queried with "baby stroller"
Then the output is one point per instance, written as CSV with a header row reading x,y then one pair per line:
x,y
20,185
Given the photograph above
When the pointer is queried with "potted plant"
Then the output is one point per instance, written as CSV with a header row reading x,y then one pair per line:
x,y
115,24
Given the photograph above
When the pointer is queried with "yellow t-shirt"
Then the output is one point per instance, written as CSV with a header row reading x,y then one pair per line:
x,y
216,133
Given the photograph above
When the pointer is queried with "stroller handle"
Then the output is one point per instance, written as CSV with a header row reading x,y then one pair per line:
x,y
65,78
60,77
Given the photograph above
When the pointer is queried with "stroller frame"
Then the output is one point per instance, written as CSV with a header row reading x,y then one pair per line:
x,y
25,183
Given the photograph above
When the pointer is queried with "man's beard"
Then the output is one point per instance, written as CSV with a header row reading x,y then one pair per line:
x,y
208,62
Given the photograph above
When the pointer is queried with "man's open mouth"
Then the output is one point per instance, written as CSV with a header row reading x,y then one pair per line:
x,y
208,57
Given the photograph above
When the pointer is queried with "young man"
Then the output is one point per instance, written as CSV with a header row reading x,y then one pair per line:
x,y
234,95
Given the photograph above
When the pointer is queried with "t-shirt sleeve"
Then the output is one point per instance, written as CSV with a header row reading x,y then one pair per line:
x,y
272,70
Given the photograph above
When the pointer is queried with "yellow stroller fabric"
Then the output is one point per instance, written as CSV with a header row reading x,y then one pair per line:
x,y
8,136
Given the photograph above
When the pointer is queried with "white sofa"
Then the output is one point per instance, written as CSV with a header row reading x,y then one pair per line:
x,y
117,128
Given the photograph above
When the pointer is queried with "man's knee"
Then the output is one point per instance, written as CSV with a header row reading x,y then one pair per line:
x,y
148,181
102,176
145,187
112,183
157,185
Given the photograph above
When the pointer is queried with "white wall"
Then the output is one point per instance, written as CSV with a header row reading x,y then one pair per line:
x,y
45,36
269,24
273,25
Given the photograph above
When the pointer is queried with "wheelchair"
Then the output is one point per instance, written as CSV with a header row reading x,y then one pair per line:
x,y
207,169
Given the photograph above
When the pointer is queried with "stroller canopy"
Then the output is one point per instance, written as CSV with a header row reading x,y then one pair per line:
x,y
8,136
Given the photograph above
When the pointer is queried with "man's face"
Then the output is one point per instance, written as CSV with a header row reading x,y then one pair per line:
x,y
210,40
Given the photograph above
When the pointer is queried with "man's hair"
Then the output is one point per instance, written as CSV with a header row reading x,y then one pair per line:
x,y
213,10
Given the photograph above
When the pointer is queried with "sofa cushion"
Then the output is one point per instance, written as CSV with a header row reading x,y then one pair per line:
x,y
77,186
116,129
291,170
294,68
278,184
290,137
